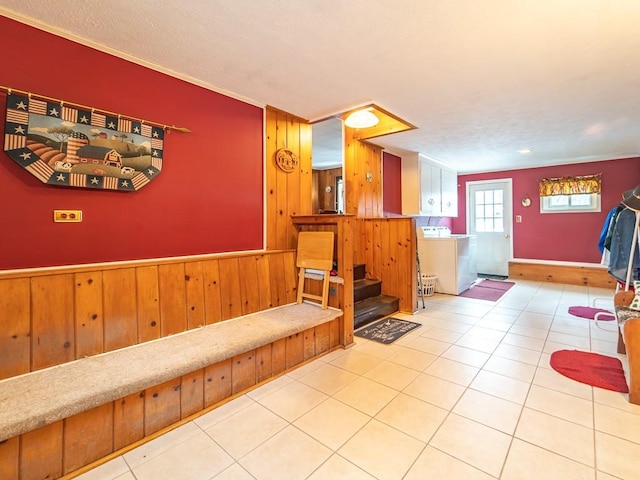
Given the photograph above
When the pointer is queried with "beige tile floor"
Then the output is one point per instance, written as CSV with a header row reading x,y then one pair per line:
x,y
469,395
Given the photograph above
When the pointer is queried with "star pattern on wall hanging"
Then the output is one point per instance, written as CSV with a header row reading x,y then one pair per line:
x,y
66,145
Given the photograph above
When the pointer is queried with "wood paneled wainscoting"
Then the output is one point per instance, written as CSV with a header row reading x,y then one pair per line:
x,y
55,316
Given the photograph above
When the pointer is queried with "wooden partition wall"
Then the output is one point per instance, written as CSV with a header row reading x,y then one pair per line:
x,y
55,316
287,194
387,246
341,294
362,177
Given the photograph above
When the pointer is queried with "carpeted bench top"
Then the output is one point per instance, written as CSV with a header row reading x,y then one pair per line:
x,y
36,399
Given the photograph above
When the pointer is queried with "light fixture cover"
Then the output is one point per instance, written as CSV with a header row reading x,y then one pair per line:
x,y
361,119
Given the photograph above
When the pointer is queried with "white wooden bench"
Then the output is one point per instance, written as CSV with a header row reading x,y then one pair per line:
x,y
42,397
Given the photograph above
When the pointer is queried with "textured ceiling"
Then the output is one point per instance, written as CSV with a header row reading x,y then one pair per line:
x,y
480,79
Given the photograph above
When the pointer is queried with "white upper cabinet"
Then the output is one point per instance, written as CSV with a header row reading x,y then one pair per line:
x,y
428,188
449,192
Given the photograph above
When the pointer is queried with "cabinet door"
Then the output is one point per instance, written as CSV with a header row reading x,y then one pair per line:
x,y
429,189
449,186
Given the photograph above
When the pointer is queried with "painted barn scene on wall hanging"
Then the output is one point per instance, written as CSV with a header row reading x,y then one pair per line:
x,y
67,145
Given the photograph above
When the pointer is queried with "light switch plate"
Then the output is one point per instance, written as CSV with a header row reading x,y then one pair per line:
x,y
67,216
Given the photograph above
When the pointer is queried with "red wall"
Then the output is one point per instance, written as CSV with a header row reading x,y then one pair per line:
x,y
571,237
391,184
208,197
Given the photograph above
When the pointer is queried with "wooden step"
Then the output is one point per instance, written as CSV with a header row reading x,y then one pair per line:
x,y
365,288
359,271
374,308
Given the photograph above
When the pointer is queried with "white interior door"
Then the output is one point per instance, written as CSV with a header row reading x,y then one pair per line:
x,y
489,219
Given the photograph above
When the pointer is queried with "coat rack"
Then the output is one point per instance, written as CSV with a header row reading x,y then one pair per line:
x,y
631,200
10,90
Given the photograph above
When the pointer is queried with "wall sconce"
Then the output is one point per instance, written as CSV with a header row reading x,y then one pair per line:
x,y
361,119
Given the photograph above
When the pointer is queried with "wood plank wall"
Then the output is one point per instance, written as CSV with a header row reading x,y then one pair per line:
x,y
363,198
71,444
287,194
48,318
387,246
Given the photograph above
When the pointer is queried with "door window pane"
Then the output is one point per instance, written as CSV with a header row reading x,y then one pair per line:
x,y
489,211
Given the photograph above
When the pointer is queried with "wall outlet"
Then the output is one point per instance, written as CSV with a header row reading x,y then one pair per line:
x,y
369,177
518,218
67,216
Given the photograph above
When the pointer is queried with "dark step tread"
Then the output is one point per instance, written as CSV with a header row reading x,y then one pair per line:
x,y
365,288
373,302
374,308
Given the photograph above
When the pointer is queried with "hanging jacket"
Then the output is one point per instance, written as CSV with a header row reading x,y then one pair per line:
x,y
621,239
606,227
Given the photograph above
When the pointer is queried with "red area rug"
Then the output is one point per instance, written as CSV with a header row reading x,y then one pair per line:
x,y
590,312
487,290
590,368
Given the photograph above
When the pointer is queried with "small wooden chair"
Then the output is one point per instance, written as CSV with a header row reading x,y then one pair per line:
x,y
315,250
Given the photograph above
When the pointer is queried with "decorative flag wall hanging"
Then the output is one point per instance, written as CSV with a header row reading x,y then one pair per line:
x,y
72,145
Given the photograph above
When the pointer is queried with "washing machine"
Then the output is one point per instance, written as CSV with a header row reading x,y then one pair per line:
x,y
452,258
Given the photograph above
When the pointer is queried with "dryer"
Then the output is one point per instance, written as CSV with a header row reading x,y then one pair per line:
x,y
452,258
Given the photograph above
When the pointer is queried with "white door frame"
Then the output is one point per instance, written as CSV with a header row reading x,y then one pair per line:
x,y
509,182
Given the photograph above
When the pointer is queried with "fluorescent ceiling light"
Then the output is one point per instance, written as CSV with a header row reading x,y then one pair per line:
x,y
524,150
361,119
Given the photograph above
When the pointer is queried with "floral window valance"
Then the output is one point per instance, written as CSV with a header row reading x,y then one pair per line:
x,y
570,185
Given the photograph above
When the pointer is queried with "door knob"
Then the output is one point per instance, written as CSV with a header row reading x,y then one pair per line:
x,y
506,235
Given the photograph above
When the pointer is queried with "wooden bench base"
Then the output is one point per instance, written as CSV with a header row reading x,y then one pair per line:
x,y
55,421
629,340
592,276
632,345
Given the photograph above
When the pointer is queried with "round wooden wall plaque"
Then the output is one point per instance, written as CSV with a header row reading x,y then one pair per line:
x,y
286,160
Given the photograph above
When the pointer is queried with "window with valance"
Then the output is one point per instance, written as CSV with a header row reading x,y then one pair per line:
x,y
570,185
570,194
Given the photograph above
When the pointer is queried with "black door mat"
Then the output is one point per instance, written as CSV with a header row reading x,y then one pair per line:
x,y
387,330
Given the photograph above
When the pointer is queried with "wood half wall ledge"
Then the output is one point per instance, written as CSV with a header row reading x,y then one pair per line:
x,y
591,275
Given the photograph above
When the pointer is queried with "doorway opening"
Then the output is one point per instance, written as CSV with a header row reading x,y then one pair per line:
x,y
327,161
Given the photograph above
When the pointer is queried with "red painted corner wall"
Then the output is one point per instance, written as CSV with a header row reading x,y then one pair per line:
x,y
391,184
208,197
570,237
